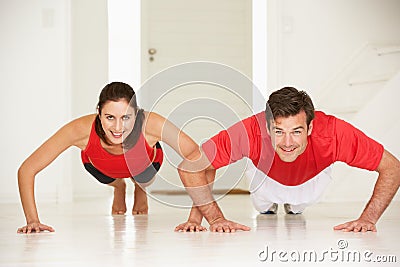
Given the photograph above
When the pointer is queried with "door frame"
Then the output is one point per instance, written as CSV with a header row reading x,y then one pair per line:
x,y
123,35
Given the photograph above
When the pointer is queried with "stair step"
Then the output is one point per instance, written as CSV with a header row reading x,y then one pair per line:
x,y
384,50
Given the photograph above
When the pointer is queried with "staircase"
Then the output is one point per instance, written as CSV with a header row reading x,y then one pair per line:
x,y
366,93
380,117
360,79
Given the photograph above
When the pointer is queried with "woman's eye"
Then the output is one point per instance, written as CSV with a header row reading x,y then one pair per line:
x,y
110,117
125,118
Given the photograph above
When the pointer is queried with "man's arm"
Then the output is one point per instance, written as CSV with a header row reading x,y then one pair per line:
x,y
193,173
386,187
193,224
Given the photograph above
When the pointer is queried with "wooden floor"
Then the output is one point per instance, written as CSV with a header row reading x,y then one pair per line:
x,y
86,235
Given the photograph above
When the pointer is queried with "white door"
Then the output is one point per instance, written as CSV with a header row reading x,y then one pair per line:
x,y
179,31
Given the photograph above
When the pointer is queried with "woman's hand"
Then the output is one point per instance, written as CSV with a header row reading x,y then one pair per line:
x,y
190,227
34,227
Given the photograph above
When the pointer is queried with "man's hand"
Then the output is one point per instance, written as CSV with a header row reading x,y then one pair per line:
x,y
359,225
385,188
224,226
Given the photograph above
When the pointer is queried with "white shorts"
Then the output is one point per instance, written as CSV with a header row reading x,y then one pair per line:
x,y
264,191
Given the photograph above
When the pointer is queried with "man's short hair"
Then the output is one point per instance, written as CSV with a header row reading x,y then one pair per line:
x,y
287,102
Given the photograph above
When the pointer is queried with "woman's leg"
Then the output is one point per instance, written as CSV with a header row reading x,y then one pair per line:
x,y
140,205
142,181
119,204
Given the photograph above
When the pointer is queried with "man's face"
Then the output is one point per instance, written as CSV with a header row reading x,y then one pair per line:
x,y
289,136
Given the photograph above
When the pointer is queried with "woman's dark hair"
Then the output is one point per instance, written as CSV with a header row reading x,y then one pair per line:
x,y
117,91
287,102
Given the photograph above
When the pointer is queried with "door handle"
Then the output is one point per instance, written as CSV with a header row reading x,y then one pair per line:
x,y
152,51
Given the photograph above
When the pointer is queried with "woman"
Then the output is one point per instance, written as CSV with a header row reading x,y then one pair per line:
x,y
104,153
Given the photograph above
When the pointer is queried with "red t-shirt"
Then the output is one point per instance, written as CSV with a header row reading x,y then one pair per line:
x,y
131,163
331,140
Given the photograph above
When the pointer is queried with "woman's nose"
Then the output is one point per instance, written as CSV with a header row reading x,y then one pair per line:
x,y
118,125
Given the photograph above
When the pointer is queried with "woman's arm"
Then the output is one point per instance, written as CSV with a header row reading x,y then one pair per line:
x,y
193,173
157,128
74,133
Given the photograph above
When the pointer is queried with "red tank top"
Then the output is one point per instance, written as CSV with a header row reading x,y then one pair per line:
x,y
131,163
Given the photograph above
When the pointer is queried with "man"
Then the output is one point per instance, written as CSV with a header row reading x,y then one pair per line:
x,y
294,147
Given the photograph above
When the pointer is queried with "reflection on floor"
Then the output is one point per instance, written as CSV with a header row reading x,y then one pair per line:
x,y
87,236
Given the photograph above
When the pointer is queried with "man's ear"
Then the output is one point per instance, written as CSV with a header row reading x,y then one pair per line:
x,y
270,125
310,128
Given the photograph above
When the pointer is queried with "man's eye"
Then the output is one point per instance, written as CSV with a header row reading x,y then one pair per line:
x,y
297,132
125,118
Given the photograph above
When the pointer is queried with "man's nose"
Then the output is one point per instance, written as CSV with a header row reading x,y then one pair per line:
x,y
288,140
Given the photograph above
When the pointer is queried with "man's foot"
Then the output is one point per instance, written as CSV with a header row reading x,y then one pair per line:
x,y
119,205
140,206
272,210
288,209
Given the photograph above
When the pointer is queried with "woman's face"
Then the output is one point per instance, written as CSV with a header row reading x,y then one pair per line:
x,y
117,119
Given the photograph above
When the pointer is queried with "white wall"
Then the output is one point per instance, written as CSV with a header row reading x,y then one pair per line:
x,y
54,62
35,91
